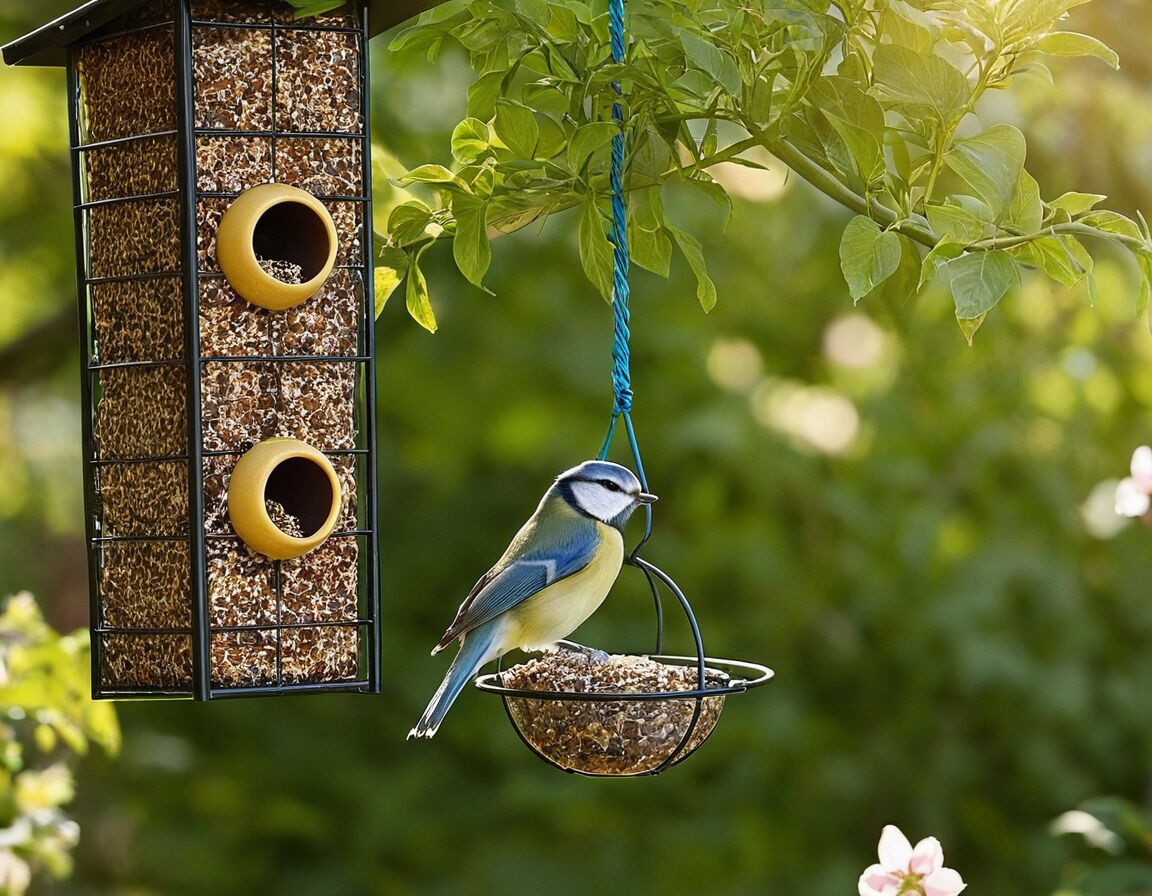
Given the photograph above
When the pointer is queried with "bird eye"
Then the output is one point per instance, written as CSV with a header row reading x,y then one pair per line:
x,y
610,485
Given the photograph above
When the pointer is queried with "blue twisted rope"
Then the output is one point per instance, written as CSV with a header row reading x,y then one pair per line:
x,y
621,368
621,375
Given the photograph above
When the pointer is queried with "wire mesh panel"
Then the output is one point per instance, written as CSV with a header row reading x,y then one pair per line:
x,y
178,108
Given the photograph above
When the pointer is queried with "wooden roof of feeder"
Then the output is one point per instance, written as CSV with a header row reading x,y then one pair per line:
x,y
47,45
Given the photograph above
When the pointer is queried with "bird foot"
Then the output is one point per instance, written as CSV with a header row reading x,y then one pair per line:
x,y
591,653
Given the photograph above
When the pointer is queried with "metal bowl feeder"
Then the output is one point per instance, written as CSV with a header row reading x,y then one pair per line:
x,y
595,728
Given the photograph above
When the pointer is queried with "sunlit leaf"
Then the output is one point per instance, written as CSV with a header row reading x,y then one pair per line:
x,y
694,254
969,326
990,163
470,141
1113,222
587,139
416,295
1069,43
709,58
650,249
957,222
979,280
430,174
1025,211
595,249
391,266
868,255
516,127
906,77
470,246
408,222
1077,203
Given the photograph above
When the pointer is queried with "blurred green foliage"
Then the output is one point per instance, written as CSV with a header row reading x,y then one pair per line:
x,y
916,535
48,721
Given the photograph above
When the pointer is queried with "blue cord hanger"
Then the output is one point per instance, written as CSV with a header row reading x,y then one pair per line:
x,y
621,358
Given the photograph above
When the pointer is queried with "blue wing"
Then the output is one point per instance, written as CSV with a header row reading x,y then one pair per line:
x,y
532,563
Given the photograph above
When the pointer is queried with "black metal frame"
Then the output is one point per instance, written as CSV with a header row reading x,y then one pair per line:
x,y
493,683
364,394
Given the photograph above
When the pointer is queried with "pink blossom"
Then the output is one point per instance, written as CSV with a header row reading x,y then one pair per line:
x,y
905,870
1134,494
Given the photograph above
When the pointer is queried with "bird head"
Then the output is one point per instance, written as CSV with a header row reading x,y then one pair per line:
x,y
603,490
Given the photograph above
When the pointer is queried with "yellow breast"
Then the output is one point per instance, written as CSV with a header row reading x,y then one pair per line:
x,y
554,613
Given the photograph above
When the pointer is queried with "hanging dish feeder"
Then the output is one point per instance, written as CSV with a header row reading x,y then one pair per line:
x,y
623,715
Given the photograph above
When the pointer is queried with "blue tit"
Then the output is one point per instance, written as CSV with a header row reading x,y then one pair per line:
x,y
554,575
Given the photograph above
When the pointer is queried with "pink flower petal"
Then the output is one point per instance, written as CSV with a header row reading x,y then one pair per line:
x,y
943,882
1131,499
895,850
875,881
927,856
1142,467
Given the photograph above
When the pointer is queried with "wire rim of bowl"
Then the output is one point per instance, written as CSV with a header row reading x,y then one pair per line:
x,y
761,675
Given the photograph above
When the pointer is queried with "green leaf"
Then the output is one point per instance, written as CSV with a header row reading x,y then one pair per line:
x,y
482,95
857,118
470,246
516,127
416,294
430,174
694,254
595,248
408,221
1050,254
391,266
1145,262
707,57
958,223
906,77
990,163
587,139
535,10
1113,222
545,98
979,280
868,255
1069,43
969,326
650,249
943,252
552,140
470,141
1025,210
306,8
1077,203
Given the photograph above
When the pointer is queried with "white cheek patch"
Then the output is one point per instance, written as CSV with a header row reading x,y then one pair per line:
x,y
600,502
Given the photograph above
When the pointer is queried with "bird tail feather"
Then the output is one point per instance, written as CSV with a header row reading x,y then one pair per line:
x,y
473,653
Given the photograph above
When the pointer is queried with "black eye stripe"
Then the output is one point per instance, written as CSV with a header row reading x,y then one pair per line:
x,y
610,485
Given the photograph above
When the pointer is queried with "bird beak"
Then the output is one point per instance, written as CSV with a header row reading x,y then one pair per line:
x,y
645,498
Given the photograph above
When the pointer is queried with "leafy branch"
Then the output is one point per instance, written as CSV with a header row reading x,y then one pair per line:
x,y
870,101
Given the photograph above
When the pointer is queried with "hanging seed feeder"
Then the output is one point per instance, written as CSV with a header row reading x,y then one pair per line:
x,y
622,715
221,177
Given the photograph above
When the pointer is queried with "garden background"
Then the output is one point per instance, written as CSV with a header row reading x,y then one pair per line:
x,y
916,534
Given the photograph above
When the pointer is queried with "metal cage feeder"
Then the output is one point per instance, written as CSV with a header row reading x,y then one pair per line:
x,y
600,732
224,263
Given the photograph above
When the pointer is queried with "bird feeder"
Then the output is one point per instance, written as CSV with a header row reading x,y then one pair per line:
x,y
221,170
621,716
